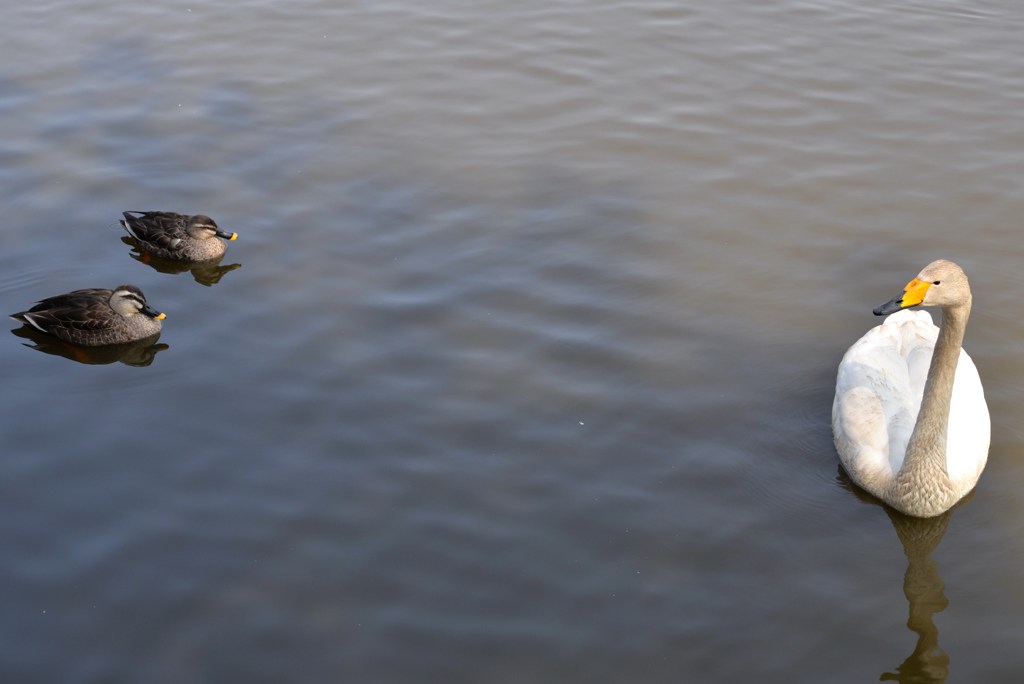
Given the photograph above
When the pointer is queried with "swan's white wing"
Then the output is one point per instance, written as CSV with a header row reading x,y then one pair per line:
x,y
878,394
970,428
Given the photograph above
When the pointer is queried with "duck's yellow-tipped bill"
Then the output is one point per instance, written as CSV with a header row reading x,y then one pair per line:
x,y
160,316
234,236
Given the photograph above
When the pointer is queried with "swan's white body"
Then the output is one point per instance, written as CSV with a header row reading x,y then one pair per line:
x,y
878,394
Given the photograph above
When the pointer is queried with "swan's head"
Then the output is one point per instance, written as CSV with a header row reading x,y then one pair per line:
x,y
940,283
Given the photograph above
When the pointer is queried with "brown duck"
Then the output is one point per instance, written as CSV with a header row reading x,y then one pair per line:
x,y
176,236
95,317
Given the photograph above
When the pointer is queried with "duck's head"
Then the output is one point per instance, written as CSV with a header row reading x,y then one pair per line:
x,y
128,300
202,227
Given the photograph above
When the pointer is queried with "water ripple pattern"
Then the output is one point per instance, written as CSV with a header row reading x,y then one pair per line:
x,y
521,367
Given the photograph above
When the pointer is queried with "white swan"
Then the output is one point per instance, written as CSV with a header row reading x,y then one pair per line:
x,y
910,421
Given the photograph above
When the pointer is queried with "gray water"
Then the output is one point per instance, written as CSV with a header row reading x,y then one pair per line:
x,y
521,368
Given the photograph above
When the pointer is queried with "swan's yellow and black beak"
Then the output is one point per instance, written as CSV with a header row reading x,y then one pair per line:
x,y
913,294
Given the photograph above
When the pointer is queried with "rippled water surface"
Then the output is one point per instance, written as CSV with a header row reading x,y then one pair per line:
x,y
522,365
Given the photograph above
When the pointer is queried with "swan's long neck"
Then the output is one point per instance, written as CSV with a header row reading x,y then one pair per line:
x,y
923,474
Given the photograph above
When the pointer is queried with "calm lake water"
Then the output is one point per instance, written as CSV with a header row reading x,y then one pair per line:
x,y
521,368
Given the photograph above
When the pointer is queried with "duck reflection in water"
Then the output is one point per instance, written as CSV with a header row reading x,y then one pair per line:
x,y
922,585
204,272
138,353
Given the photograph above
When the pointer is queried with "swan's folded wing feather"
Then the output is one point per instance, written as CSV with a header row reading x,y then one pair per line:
x,y
878,394
970,427
862,440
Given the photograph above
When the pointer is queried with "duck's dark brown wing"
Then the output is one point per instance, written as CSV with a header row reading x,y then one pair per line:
x,y
163,229
87,310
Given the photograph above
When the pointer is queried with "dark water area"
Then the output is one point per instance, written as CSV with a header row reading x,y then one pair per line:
x,y
522,365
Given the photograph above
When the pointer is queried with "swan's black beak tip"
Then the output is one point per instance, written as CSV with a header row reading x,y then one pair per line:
x,y
891,306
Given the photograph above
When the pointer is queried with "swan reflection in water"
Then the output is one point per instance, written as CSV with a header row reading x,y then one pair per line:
x,y
204,272
138,353
922,585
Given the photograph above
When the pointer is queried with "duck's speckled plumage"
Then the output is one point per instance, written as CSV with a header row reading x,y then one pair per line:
x,y
176,236
94,317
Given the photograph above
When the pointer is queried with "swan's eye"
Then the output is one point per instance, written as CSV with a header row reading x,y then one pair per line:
x,y
936,282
